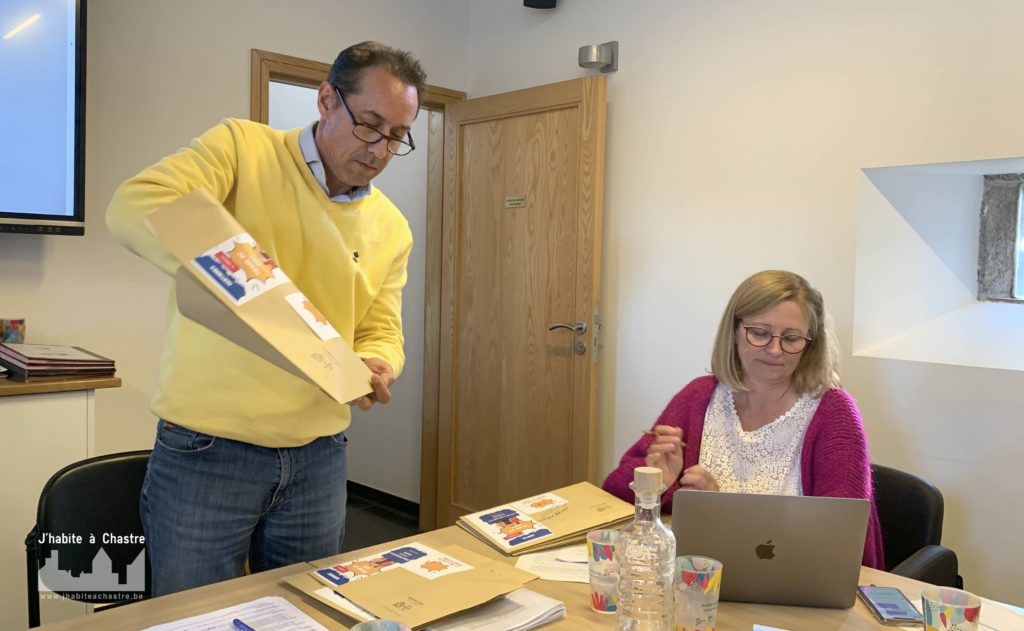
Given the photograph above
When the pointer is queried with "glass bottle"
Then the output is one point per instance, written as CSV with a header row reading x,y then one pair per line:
x,y
647,551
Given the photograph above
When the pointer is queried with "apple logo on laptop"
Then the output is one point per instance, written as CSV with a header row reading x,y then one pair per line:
x,y
765,550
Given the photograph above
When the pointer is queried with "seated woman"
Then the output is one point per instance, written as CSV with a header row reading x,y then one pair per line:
x,y
771,418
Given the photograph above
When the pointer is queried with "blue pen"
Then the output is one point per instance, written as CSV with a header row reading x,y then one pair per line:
x,y
241,626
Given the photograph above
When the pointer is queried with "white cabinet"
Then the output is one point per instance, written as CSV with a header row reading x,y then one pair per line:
x,y
41,431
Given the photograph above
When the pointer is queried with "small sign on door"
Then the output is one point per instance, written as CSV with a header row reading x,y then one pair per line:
x,y
515,202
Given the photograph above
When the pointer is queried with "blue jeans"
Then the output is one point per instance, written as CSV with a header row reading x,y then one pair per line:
x,y
209,503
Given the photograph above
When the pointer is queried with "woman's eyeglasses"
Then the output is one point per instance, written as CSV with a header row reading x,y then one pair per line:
x,y
791,343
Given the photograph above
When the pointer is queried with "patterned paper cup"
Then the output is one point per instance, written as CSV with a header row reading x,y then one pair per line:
x,y
602,546
948,609
696,582
12,330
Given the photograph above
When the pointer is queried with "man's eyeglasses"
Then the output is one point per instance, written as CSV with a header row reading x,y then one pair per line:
x,y
790,342
371,136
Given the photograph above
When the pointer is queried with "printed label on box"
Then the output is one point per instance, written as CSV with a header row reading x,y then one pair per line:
x,y
509,527
546,504
415,557
240,268
312,316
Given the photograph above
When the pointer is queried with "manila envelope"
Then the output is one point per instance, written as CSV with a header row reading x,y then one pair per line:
x,y
265,313
587,508
414,600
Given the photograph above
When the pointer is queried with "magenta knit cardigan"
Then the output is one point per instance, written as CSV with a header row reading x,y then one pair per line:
x,y
834,459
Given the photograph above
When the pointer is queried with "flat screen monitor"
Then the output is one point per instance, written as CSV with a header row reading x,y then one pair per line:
x,y
42,116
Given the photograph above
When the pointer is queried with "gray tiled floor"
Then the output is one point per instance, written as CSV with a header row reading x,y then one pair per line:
x,y
369,523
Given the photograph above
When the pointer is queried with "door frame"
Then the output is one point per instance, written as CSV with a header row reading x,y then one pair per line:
x,y
268,66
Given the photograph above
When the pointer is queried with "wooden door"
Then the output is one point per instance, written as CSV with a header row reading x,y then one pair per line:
x,y
521,234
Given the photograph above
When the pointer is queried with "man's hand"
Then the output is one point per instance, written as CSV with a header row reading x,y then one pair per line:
x,y
380,381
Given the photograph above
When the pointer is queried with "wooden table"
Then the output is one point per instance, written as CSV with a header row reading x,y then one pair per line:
x,y
204,599
576,597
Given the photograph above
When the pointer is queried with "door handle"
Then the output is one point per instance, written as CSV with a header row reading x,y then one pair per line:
x,y
579,328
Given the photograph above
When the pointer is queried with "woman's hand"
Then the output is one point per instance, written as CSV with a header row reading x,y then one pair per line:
x,y
699,478
666,452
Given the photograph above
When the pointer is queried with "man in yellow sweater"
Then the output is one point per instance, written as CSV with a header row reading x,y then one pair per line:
x,y
249,460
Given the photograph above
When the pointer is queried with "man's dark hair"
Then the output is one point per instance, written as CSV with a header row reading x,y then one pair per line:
x,y
347,71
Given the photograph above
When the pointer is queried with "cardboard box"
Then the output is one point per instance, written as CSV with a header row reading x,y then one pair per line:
x,y
412,583
229,285
548,520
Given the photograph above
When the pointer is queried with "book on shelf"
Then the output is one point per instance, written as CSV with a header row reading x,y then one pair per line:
x,y
35,361
548,520
62,376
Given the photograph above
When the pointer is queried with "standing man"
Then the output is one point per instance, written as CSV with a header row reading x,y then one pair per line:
x,y
249,460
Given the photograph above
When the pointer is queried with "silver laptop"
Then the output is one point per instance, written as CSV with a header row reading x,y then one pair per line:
x,y
776,549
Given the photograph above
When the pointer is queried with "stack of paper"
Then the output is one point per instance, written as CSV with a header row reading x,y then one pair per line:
x,y
412,583
568,564
518,611
269,612
548,520
39,361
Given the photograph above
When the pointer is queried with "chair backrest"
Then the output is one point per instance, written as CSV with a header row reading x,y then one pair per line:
x,y
87,510
909,512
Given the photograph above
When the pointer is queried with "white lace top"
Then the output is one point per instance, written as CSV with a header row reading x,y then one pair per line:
x,y
766,460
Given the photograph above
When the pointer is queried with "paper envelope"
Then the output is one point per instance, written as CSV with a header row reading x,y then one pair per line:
x,y
414,599
584,507
227,284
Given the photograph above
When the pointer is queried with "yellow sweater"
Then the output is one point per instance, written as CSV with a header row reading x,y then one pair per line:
x,y
348,258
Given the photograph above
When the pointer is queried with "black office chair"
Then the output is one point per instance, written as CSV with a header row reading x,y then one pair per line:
x,y
910,514
85,507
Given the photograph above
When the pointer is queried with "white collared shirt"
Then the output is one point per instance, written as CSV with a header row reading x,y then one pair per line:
x,y
307,143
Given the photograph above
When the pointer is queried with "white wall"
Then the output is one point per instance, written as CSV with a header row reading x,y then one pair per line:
x,y
926,309
737,131
737,134
160,73
385,441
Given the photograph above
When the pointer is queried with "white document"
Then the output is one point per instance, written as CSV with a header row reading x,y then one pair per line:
x,y
519,610
568,564
270,613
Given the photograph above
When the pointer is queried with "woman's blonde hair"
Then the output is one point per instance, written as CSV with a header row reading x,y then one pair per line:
x,y
817,370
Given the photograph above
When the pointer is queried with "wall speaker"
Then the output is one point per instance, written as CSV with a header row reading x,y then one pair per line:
x,y
540,4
